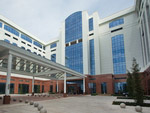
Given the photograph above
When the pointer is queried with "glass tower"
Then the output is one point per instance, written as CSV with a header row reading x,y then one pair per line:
x,y
73,40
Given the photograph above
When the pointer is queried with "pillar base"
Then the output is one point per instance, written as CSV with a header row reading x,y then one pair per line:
x,y
6,99
64,95
84,93
32,93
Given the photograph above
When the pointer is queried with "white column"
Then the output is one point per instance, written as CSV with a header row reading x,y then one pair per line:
x,y
57,86
33,85
7,88
84,85
64,83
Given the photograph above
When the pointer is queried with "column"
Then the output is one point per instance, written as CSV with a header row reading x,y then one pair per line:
x,y
6,99
57,87
84,85
33,86
65,85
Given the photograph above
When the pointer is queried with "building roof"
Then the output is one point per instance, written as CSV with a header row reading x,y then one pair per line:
x,y
48,70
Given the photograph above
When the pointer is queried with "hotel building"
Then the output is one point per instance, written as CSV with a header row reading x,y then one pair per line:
x,y
101,49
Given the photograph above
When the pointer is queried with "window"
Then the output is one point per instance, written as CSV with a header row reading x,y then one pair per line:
x,y
67,44
7,34
53,45
6,40
92,57
35,53
29,45
39,54
43,47
35,48
116,30
73,32
120,87
80,40
23,42
1,24
73,27
53,57
29,50
11,30
43,52
116,22
39,50
14,44
90,24
26,38
23,47
91,34
53,50
104,88
15,38
74,42
118,53
74,57
37,44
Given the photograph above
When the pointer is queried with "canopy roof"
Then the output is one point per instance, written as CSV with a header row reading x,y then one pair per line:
x,y
27,63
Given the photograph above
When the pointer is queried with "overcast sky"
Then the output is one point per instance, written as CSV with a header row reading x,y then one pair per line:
x,y
43,18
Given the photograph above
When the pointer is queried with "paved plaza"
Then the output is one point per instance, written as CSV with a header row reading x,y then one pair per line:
x,y
78,104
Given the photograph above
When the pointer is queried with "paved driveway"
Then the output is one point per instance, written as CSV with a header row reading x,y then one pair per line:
x,y
80,104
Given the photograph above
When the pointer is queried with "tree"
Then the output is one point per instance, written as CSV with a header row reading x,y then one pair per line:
x,y
130,84
134,83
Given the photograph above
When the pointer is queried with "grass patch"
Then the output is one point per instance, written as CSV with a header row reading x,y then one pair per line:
x,y
94,94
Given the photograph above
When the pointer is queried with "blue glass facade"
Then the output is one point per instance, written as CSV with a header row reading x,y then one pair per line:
x,y
37,44
53,57
73,27
92,58
0,24
53,45
6,40
74,55
26,38
118,53
11,30
116,22
73,31
90,24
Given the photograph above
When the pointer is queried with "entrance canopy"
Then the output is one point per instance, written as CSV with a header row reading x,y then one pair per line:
x,y
30,64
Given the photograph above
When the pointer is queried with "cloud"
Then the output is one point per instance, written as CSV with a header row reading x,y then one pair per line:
x,y
43,18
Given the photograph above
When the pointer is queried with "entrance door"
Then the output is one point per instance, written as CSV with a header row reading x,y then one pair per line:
x,y
103,88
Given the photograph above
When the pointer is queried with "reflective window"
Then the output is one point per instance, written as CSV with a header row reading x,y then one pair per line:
x,y
29,50
53,45
118,53
104,88
11,30
74,52
92,58
120,87
116,22
23,47
53,57
1,24
74,57
6,40
90,24
26,38
92,87
73,27
35,53
37,44
14,44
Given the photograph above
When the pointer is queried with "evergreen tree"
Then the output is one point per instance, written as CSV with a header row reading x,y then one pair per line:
x,y
135,81
130,84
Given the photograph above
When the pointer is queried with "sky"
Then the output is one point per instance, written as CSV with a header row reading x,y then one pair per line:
x,y
43,18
